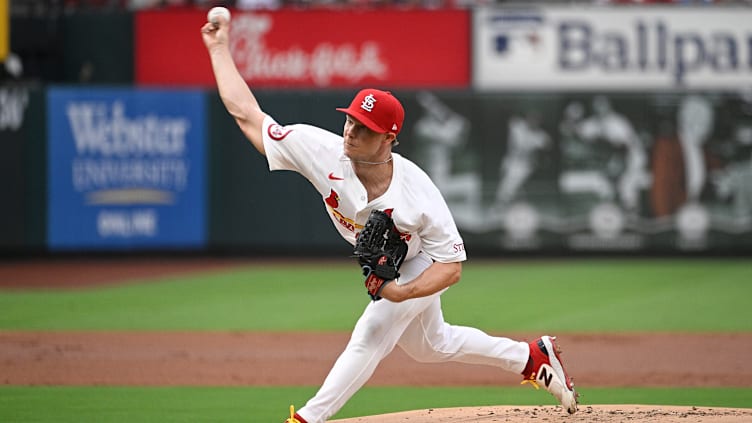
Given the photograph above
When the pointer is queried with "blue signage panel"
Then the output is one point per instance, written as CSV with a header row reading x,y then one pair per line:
x,y
126,169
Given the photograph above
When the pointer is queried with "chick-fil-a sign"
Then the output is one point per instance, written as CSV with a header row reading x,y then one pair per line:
x,y
312,49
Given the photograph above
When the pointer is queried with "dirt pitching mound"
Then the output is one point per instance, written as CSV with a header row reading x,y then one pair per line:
x,y
594,413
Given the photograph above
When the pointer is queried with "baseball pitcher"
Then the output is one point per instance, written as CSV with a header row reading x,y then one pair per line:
x,y
406,245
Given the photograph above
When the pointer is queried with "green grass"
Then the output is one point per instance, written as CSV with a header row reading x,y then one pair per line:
x,y
261,404
253,298
606,296
565,296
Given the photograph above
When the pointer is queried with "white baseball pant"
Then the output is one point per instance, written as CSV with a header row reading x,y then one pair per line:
x,y
418,327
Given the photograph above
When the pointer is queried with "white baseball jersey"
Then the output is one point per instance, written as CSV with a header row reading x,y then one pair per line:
x,y
418,209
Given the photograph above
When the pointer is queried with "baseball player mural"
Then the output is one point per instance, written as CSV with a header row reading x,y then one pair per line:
x,y
372,193
525,137
615,129
443,135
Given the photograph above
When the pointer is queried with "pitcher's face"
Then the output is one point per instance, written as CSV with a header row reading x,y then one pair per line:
x,y
361,142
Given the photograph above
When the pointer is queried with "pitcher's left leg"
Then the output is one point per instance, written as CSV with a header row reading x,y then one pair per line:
x,y
428,338
374,336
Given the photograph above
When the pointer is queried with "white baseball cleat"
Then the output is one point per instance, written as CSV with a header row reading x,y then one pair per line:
x,y
548,370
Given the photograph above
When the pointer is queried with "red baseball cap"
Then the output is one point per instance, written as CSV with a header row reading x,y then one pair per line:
x,y
378,110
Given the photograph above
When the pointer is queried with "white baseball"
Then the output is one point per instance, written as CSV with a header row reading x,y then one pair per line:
x,y
216,12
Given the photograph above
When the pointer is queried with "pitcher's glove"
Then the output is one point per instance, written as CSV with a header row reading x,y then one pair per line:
x,y
380,252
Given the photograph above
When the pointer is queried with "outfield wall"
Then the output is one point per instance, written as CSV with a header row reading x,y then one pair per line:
x,y
102,152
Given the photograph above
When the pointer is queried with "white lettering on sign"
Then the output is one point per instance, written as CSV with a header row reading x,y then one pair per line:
x,y
13,103
127,224
128,158
103,128
95,174
326,61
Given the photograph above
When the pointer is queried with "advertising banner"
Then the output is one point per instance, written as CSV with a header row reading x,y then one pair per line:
x,y
618,48
311,48
126,168
578,172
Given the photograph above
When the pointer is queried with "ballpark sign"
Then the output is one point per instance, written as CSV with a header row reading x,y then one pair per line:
x,y
612,48
126,168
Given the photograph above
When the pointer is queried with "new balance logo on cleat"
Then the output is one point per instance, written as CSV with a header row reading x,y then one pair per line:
x,y
545,375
